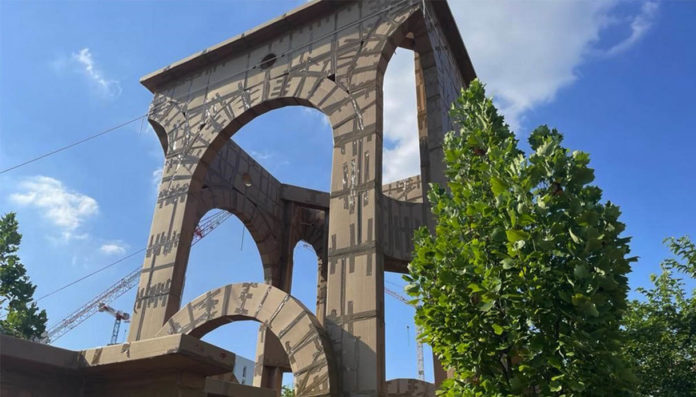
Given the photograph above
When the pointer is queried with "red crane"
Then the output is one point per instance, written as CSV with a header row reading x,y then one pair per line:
x,y
118,315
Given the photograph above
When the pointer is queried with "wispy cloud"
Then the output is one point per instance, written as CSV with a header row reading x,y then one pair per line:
x,y
311,112
66,209
525,51
106,87
156,177
155,180
640,25
113,248
261,156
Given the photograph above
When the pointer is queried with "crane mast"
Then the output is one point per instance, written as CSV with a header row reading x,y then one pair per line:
x,y
125,284
118,315
419,344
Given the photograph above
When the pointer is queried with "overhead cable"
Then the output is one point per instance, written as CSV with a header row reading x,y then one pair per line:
x,y
101,269
401,4
66,147
207,223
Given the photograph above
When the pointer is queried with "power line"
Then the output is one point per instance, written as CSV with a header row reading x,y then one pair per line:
x,y
401,4
66,147
205,223
92,274
142,117
123,285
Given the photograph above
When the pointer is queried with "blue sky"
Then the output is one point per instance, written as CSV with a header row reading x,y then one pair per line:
x,y
616,77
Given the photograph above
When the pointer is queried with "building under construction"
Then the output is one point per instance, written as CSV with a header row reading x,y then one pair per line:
x,y
328,55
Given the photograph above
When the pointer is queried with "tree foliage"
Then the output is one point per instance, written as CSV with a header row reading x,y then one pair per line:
x,y
287,391
661,328
522,286
19,314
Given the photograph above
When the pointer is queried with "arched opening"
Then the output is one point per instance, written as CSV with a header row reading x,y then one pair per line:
x,y
288,145
401,156
412,108
299,332
304,283
304,275
292,143
401,347
226,254
225,127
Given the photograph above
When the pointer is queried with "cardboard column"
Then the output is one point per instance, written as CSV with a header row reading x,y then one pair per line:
x,y
271,359
161,282
355,280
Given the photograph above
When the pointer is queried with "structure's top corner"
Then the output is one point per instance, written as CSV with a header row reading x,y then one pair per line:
x,y
299,16
449,27
248,39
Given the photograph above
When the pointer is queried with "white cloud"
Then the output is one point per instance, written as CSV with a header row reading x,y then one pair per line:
x,y
525,51
66,209
106,87
156,177
113,248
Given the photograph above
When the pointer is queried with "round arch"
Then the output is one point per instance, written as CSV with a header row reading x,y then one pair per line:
x,y
411,34
300,334
324,95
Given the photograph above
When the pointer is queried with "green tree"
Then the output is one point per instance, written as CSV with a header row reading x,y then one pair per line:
x,y
19,314
522,286
661,329
287,391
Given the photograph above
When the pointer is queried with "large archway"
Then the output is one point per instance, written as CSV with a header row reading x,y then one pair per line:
x,y
293,144
301,336
227,254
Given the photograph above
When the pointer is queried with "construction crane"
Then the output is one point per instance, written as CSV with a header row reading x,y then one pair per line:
x,y
205,226
118,315
419,345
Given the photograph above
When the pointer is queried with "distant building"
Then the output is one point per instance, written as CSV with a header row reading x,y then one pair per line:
x,y
244,370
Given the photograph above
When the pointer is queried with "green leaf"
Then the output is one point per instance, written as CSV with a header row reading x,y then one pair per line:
x,y
513,217
498,186
516,235
412,288
581,271
498,234
497,329
575,238
583,175
580,299
486,306
590,309
526,220
507,263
